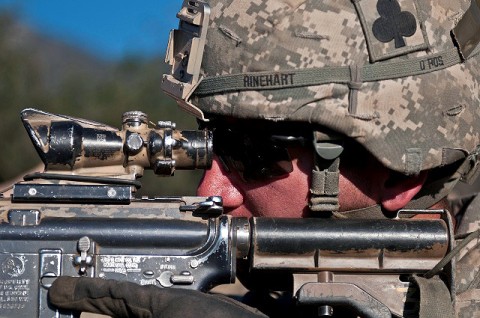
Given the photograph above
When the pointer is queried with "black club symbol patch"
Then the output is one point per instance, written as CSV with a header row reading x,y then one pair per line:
x,y
393,24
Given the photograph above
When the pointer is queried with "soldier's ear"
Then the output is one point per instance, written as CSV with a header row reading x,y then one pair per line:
x,y
398,190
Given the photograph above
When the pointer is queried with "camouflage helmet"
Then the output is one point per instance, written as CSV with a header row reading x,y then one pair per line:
x,y
390,74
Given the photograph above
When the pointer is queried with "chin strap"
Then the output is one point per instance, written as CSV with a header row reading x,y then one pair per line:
x,y
324,186
431,193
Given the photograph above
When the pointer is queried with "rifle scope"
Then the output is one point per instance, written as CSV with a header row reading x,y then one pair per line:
x,y
82,146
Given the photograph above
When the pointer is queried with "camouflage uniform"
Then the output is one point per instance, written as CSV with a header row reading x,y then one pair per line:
x,y
468,271
387,74
414,107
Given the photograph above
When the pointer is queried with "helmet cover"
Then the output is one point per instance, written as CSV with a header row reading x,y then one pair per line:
x,y
386,73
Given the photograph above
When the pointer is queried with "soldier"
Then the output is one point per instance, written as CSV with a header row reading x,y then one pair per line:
x,y
347,109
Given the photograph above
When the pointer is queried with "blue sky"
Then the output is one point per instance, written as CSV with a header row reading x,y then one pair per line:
x,y
107,28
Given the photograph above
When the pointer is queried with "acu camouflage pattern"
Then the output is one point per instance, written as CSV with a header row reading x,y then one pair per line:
x,y
467,263
410,124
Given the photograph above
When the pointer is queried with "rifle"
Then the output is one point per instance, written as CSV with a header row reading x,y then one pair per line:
x,y
80,217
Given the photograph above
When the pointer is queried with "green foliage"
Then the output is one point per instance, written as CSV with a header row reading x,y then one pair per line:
x,y
131,84
20,84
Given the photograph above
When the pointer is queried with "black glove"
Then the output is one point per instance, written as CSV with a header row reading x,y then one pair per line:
x,y
125,299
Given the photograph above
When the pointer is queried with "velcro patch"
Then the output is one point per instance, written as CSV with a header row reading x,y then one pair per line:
x,y
391,27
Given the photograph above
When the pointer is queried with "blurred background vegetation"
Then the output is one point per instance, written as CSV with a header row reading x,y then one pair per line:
x,y
40,72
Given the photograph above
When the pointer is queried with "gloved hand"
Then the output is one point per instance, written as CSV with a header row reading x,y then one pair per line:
x,y
125,299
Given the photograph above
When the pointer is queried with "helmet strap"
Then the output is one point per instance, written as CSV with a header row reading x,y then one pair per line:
x,y
432,192
324,185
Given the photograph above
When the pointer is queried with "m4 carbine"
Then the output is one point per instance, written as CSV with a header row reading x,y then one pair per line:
x,y
80,218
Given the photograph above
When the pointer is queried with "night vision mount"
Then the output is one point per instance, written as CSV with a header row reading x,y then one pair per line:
x,y
185,54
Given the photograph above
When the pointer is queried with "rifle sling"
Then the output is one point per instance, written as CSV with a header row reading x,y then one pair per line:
x,y
435,301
